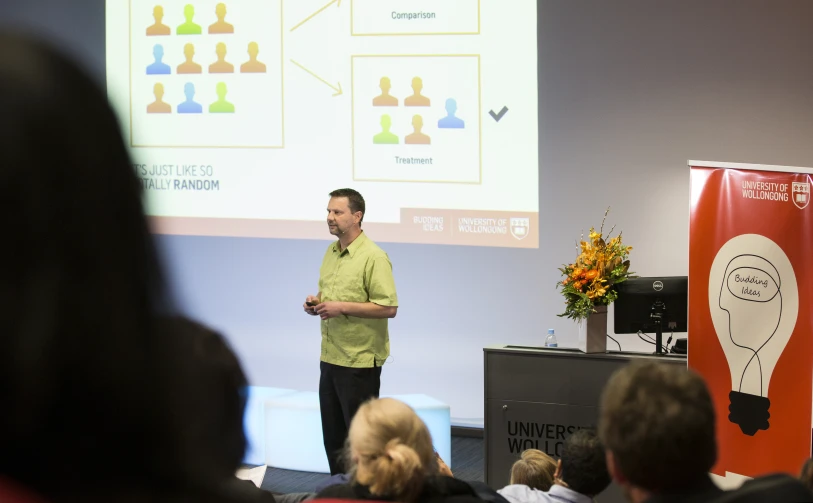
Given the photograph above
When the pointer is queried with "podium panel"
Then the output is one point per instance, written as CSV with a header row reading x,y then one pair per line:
x,y
535,398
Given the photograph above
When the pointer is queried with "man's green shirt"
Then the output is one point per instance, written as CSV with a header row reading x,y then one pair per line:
x,y
361,273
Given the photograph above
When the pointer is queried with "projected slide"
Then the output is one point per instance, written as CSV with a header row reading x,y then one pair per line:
x,y
242,115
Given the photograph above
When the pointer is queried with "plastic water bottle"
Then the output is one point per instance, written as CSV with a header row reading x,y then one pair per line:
x,y
550,340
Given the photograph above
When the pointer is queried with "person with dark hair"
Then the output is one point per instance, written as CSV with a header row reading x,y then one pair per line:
x,y
583,467
356,298
580,475
656,418
213,399
807,474
86,379
213,395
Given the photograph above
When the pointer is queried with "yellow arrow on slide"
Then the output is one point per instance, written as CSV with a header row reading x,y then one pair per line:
x,y
338,4
337,89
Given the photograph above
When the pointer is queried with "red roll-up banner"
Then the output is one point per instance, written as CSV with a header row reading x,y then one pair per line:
x,y
751,310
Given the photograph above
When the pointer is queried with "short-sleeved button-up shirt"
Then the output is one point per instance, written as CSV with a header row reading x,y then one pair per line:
x,y
360,273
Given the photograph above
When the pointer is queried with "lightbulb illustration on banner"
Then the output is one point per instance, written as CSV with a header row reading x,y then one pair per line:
x,y
754,303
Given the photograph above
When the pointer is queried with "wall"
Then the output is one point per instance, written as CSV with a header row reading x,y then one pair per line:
x,y
629,91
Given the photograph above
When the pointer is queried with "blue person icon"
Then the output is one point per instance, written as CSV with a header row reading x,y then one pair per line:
x,y
158,67
190,106
450,121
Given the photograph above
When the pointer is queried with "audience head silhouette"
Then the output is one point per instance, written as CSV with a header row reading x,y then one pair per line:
x,y
417,123
158,14
189,91
417,85
158,91
221,90
253,50
583,467
385,85
386,122
158,52
84,374
451,106
220,50
189,12
213,397
189,51
807,474
534,469
390,449
655,417
220,11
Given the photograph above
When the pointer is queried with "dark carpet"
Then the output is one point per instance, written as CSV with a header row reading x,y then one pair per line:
x,y
467,464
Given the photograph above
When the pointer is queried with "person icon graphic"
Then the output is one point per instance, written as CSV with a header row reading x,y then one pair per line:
x,y
450,121
221,65
417,138
385,99
385,137
158,28
190,106
221,26
189,27
189,66
416,100
158,67
221,106
252,65
159,106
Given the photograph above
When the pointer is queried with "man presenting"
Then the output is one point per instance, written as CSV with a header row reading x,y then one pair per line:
x,y
356,297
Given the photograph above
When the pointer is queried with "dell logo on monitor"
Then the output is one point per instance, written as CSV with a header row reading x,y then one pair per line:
x,y
657,286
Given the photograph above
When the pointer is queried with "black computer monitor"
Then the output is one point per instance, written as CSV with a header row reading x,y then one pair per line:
x,y
654,305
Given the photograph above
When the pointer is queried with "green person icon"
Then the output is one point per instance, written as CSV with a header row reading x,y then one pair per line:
x,y
221,106
385,137
189,27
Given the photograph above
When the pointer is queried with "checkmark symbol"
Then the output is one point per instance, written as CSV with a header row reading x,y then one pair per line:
x,y
498,116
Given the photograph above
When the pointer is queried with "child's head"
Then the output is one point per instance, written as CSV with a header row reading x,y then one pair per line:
x,y
534,469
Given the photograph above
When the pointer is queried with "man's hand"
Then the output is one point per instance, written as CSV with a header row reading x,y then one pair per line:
x,y
311,310
329,309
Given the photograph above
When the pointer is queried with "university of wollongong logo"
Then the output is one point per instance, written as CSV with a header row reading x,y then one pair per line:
x,y
800,194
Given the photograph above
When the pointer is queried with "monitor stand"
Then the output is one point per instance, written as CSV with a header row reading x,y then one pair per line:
x,y
658,308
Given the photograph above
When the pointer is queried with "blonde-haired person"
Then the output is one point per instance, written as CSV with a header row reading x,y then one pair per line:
x,y
534,469
391,458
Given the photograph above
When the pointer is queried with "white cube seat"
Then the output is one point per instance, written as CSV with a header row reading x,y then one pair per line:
x,y
293,429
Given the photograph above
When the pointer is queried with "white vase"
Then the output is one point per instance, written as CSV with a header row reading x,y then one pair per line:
x,y
593,331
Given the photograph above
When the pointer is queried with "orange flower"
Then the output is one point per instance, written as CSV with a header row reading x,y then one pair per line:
x,y
577,272
591,274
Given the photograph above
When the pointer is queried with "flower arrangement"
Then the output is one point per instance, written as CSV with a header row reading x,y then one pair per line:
x,y
591,280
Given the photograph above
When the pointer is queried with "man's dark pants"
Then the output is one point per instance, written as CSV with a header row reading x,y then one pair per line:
x,y
342,390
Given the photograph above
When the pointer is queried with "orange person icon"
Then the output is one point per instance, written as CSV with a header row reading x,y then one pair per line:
x,y
385,99
159,106
221,65
189,66
221,26
252,65
416,100
417,138
158,28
